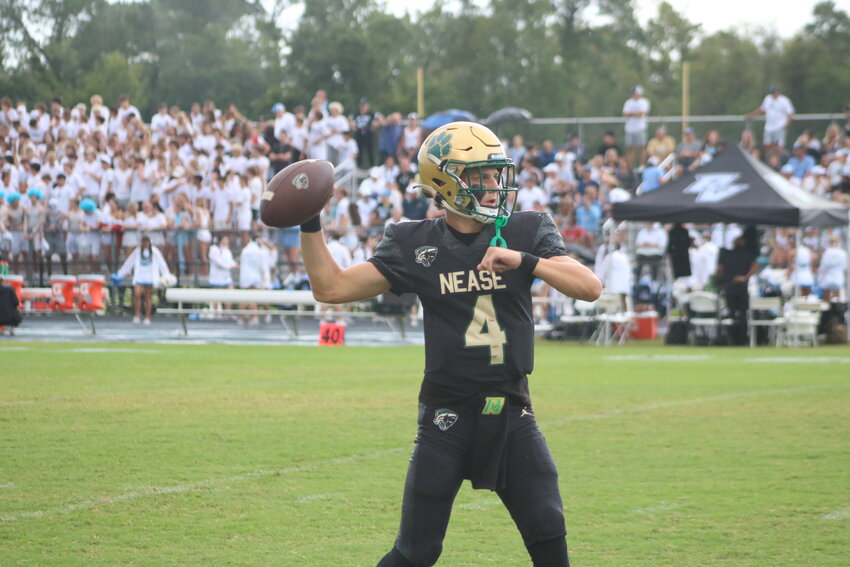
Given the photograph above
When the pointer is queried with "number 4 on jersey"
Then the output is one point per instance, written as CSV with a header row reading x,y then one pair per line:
x,y
484,330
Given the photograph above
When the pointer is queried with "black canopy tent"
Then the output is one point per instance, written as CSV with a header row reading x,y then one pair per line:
x,y
733,188
736,188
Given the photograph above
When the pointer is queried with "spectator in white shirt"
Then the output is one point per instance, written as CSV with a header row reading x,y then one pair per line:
x,y
126,109
529,194
221,263
650,244
778,112
149,269
636,109
161,122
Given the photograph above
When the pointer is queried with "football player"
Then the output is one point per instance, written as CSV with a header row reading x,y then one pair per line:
x,y
472,270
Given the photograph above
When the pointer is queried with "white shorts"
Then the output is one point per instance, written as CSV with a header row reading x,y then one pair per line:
x,y
634,139
72,242
130,239
16,243
775,137
243,223
89,244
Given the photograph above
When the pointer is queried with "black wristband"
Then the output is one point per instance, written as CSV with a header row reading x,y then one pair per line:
x,y
528,261
312,225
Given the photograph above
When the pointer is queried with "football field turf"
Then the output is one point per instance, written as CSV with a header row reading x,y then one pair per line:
x,y
218,455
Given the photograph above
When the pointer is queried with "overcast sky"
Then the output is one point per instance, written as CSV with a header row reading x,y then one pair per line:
x,y
787,18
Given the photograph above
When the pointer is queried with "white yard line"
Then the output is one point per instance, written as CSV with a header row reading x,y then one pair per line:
x,y
658,357
801,359
842,514
676,403
479,504
102,350
660,507
201,485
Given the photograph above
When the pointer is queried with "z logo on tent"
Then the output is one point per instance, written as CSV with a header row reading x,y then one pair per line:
x,y
715,187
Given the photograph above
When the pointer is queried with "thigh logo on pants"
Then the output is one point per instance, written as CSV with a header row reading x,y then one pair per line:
x,y
444,418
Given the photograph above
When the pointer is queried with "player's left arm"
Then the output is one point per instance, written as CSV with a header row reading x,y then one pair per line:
x,y
564,273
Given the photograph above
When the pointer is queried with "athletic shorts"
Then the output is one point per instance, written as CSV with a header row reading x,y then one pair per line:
x,y
634,139
775,137
290,237
17,243
56,242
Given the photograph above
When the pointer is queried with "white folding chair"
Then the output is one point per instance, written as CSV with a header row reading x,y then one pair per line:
x,y
581,313
774,322
614,319
801,321
705,315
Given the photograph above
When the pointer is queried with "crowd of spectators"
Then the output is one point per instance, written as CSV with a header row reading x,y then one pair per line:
x,y
81,186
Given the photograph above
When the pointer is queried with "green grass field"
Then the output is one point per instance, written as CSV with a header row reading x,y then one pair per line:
x,y
129,454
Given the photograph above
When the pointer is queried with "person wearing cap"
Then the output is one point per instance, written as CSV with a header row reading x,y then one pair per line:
x,y
365,122
778,112
636,110
800,162
372,186
652,176
89,242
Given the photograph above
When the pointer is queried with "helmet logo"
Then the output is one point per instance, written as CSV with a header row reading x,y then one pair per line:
x,y
425,255
444,418
440,145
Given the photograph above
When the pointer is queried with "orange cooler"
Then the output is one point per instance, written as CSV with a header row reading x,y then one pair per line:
x,y
90,288
62,292
646,325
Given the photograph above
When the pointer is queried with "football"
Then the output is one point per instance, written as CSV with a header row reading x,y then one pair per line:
x,y
297,193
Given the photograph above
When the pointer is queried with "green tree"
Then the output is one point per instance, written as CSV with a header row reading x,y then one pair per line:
x,y
111,76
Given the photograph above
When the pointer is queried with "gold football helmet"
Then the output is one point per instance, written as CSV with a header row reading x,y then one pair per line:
x,y
451,163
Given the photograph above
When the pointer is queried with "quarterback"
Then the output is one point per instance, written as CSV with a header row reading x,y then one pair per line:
x,y
472,270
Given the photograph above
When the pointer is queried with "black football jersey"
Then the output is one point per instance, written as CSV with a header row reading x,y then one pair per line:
x,y
479,329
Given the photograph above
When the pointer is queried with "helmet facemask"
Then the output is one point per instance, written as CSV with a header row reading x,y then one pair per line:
x,y
469,178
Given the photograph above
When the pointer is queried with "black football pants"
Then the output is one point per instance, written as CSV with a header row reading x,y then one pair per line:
x,y
438,467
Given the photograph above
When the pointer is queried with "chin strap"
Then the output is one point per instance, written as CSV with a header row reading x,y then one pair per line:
x,y
497,239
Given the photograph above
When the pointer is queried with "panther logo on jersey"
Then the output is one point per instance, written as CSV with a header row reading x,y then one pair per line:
x,y
425,255
444,418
